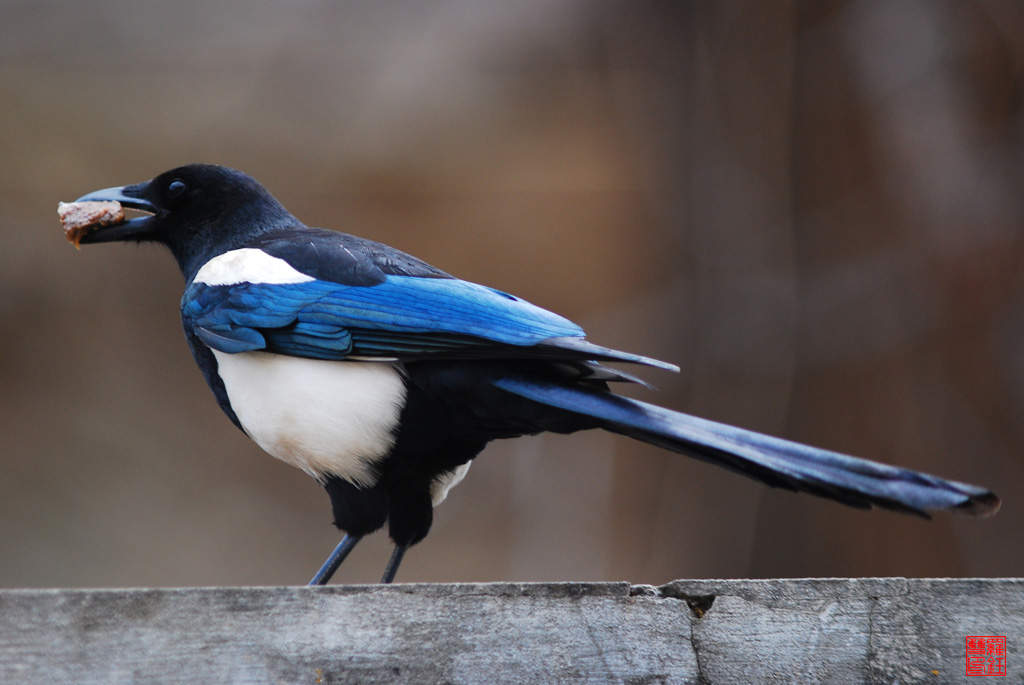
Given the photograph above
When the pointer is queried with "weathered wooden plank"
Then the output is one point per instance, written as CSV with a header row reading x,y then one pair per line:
x,y
814,631
878,630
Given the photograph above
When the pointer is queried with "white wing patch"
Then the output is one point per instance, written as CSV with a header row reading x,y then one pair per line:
x,y
249,265
325,417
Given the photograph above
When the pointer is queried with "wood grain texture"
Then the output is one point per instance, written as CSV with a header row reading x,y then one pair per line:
x,y
794,631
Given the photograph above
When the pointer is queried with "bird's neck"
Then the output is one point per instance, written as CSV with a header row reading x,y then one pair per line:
x,y
226,235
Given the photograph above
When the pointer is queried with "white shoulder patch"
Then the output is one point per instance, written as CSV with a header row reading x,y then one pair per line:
x,y
248,265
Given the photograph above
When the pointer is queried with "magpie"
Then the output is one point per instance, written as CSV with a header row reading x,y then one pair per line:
x,y
382,377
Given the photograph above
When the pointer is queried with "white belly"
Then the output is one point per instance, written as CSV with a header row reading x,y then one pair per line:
x,y
327,418
444,483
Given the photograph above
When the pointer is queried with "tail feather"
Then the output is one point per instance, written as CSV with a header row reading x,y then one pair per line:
x,y
773,461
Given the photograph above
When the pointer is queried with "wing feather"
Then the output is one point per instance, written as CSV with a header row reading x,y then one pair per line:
x,y
403,315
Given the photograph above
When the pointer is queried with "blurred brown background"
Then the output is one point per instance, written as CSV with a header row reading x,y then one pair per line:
x,y
814,208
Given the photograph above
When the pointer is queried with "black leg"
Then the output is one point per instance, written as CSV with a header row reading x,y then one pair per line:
x,y
334,561
393,563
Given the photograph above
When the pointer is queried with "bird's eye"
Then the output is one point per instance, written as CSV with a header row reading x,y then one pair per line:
x,y
175,188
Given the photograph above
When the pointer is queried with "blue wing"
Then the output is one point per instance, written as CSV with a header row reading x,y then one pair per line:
x,y
401,316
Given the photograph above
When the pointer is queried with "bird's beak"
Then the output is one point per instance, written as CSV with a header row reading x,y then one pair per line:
x,y
137,228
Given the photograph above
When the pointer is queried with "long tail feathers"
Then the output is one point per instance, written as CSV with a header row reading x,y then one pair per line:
x,y
776,462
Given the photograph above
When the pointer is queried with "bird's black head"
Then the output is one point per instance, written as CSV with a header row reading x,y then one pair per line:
x,y
198,211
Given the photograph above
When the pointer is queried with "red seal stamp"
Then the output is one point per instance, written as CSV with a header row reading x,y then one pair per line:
x,y
986,655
